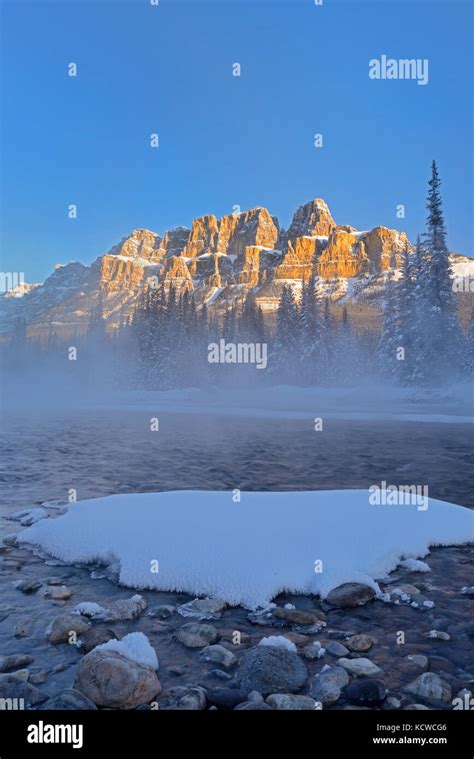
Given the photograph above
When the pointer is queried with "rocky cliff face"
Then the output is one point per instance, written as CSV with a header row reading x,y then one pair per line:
x,y
220,260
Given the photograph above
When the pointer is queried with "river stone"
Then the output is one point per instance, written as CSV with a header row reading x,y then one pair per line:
x,y
28,586
183,697
253,706
62,626
328,683
350,594
416,708
20,676
359,643
218,655
420,660
194,635
431,688
290,702
202,608
295,616
219,674
365,692
23,628
336,649
111,680
360,667
163,612
126,608
58,593
70,699
270,669
225,698
12,688
94,637
39,677
15,661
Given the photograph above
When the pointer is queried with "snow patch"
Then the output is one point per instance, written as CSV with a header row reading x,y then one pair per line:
x,y
135,647
278,641
356,541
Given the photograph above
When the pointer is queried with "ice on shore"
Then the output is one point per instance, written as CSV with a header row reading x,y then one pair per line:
x,y
246,552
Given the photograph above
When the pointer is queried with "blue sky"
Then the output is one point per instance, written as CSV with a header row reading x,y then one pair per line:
x,y
225,140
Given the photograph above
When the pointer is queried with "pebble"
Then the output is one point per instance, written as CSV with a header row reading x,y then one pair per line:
x,y
420,660
431,688
11,687
94,637
290,702
23,628
438,635
336,649
61,627
15,661
202,608
219,674
294,616
225,698
70,699
163,612
365,692
350,594
186,698
359,667
218,655
58,593
359,643
271,669
28,586
194,635
328,684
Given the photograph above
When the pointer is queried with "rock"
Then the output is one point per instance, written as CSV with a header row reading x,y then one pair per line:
x,y
390,702
336,649
314,651
13,688
70,699
38,678
295,616
194,635
359,667
271,669
431,688
225,698
58,593
94,637
254,695
360,643
202,608
365,692
14,661
127,608
218,655
420,661
55,581
163,612
297,638
289,702
20,676
111,680
350,594
28,586
438,635
23,628
62,626
327,685
176,670
185,697
253,706
416,708
219,674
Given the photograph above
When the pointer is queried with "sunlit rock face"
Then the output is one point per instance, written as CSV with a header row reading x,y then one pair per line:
x,y
220,261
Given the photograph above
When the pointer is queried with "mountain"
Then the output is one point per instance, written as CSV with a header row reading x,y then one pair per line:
x,y
220,260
